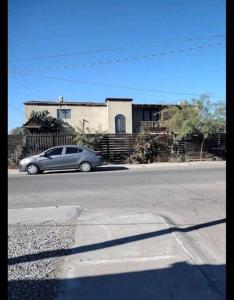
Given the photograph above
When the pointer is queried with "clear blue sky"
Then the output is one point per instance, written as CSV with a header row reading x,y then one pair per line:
x,y
109,30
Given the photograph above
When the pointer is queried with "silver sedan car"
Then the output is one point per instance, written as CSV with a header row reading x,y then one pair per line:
x,y
61,158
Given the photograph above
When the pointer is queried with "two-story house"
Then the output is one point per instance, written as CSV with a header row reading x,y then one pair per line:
x,y
115,115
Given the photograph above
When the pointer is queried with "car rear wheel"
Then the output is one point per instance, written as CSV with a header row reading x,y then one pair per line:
x,y
32,169
85,167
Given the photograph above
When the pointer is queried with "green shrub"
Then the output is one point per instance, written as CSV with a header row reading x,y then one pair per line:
x,y
147,149
173,147
15,156
88,139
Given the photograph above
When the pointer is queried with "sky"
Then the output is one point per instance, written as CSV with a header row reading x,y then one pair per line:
x,y
89,50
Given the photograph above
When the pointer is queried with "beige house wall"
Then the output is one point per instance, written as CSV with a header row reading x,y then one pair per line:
x,y
95,115
119,107
29,108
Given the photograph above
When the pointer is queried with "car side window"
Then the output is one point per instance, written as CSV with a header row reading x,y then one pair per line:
x,y
71,150
56,151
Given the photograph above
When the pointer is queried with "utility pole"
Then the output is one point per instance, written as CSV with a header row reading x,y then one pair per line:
x,y
60,101
83,126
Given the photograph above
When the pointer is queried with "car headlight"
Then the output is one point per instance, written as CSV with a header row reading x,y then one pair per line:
x,y
25,161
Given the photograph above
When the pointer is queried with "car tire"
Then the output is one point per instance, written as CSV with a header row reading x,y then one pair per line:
x,y
32,169
85,166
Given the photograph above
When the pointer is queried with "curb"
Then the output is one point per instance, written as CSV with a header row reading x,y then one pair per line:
x,y
43,215
175,164
155,165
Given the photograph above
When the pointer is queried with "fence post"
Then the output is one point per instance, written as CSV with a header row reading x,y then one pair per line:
x,y
128,150
53,140
108,149
219,140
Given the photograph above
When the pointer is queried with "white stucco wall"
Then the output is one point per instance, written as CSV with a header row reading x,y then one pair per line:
x,y
95,115
119,107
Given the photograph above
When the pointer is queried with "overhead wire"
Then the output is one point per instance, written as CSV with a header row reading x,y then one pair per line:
x,y
119,60
30,86
114,49
110,85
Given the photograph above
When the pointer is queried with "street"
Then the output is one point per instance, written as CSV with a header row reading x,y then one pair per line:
x,y
187,193
128,208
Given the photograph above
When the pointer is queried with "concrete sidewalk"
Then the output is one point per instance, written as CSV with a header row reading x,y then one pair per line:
x,y
123,255
135,256
160,165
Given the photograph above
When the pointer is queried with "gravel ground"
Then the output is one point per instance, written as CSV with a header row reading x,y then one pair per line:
x,y
31,275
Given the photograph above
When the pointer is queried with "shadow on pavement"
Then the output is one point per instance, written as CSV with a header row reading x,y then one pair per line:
x,y
110,168
178,281
60,172
99,169
107,244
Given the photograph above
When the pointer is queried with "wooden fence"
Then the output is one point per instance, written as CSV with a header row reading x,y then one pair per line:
x,y
116,148
14,141
213,146
37,143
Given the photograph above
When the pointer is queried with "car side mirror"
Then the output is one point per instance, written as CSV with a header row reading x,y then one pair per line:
x,y
43,155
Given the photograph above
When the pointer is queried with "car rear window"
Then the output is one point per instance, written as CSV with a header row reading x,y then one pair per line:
x,y
72,150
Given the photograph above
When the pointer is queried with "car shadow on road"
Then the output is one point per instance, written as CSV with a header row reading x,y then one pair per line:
x,y
180,280
110,168
99,169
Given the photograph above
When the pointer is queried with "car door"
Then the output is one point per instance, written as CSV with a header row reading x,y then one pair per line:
x,y
52,159
72,156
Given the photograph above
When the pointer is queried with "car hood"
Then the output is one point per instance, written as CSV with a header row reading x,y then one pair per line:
x,y
33,156
29,158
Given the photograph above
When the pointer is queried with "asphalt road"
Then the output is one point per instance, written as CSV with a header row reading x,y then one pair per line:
x,y
191,192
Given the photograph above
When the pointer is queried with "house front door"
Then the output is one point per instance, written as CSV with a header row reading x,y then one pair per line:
x,y
120,124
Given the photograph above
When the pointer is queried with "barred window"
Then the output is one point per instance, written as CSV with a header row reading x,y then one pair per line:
x,y
165,115
63,114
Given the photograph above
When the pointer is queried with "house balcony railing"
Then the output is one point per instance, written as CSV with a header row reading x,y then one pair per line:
x,y
152,126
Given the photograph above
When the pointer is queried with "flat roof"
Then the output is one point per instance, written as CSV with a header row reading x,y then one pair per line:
x,y
118,99
79,103
43,102
154,104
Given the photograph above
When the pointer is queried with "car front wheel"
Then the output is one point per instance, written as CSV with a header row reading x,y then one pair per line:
x,y
32,169
85,167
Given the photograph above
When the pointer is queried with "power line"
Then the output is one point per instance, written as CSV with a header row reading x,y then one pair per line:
x,y
120,60
20,111
30,87
24,86
15,108
112,49
110,85
66,54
